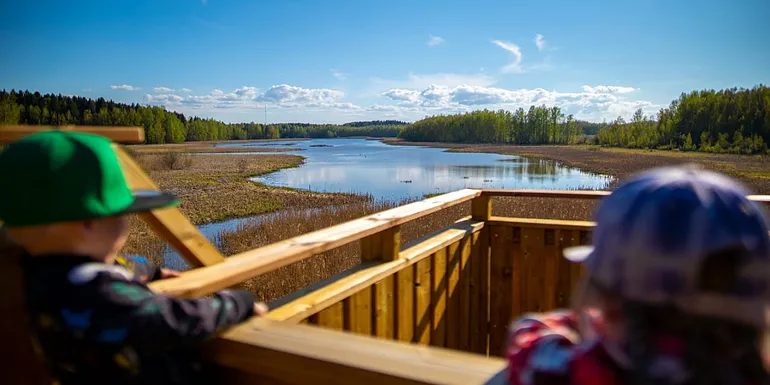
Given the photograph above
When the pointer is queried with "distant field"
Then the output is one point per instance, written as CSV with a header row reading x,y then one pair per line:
x,y
215,187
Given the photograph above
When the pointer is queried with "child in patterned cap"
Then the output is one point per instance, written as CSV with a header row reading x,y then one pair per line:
x,y
64,201
675,292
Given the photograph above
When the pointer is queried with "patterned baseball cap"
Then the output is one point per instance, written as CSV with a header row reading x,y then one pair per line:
x,y
654,233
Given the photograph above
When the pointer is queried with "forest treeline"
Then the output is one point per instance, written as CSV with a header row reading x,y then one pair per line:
x,y
727,121
163,126
537,125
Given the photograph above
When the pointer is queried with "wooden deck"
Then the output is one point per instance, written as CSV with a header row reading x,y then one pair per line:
x,y
434,311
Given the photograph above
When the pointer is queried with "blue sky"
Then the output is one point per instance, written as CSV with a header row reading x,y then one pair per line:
x,y
343,60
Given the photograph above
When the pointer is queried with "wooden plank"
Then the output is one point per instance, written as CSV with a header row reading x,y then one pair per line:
x,y
303,355
464,294
12,133
564,280
240,267
391,243
358,314
169,223
476,317
423,312
439,298
501,285
533,245
367,274
384,321
534,193
453,299
332,317
555,224
405,304
574,194
441,239
552,254
484,291
481,208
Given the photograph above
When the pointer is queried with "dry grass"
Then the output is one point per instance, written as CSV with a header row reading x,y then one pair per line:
x,y
288,224
216,187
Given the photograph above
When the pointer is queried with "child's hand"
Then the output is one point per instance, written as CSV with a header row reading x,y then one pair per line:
x,y
168,273
260,309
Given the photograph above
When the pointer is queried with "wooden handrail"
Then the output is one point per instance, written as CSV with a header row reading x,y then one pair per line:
x,y
276,352
12,133
243,266
363,276
575,194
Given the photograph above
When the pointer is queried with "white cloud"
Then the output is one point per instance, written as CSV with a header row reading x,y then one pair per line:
x,y
594,104
539,42
435,40
609,89
185,90
162,90
515,65
162,99
286,94
339,75
125,87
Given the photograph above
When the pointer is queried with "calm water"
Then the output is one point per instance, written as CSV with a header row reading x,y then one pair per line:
x,y
393,172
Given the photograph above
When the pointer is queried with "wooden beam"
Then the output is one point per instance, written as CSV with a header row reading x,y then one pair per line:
x,y
252,263
266,351
169,223
575,194
12,133
541,223
361,278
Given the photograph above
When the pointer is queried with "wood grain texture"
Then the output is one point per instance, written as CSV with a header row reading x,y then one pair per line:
x,y
169,223
302,354
237,268
12,133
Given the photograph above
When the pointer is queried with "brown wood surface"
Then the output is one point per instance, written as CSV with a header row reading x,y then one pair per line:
x,y
238,268
12,133
169,223
304,354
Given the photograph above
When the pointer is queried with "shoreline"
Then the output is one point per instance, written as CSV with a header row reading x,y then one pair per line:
x,y
752,170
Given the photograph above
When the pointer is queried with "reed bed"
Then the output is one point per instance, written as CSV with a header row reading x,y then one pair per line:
x,y
214,188
288,224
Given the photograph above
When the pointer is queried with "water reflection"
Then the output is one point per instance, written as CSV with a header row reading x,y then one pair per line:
x,y
394,172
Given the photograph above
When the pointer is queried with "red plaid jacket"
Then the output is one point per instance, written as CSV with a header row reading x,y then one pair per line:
x,y
546,349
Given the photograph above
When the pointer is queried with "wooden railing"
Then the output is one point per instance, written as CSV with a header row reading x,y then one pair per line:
x,y
457,288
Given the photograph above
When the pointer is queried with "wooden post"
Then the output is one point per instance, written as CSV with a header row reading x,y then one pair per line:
x,y
170,224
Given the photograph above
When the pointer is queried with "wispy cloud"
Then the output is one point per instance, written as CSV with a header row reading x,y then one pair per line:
x,y
339,75
435,40
539,42
166,90
595,103
125,87
515,65
609,89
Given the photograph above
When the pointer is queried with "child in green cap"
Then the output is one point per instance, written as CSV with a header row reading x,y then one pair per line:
x,y
63,199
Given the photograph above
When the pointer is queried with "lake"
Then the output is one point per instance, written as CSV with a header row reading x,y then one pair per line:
x,y
395,172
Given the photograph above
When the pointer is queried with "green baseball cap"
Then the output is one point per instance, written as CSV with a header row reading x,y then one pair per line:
x,y
57,176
